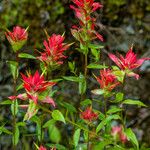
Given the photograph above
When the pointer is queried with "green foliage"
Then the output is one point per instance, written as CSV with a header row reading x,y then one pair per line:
x,y
13,68
25,55
130,134
133,102
57,115
76,137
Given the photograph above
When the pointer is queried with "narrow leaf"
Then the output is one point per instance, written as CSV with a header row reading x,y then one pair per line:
x,y
134,102
96,66
131,136
25,55
76,137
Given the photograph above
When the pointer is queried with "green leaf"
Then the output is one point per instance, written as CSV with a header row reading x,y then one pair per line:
x,y
48,123
21,124
101,116
95,46
57,146
119,74
72,67
14,107
13,68
69,107
76,137
101,145
82,84
96,54
56,80
54,133
114,110
6,102
3,129
31,111
16,46
86,102
134,102
106,121
25,55
119,97
19,87
131,136
16,135
96,66
98,91
37,120
85,134
72,78
57,115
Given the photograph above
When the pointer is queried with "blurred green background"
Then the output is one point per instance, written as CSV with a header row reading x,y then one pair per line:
x,y
121,22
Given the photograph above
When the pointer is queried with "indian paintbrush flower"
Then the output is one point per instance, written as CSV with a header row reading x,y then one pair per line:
x,y
17,37
88,114
107,80
53,52
117,132
36,84
42,148
86,31
128,63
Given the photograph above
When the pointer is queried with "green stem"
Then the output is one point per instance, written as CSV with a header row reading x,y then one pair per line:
x,y
105,106
85,67
14,106
121,113
88,142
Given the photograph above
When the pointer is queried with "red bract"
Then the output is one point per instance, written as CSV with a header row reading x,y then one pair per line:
x,y
128,63
88,114
107,80
117,131
35,84
83,10
85,7
42,148
54,48
18,34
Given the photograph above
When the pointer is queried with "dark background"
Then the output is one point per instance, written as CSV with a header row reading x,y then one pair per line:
x,y
121,22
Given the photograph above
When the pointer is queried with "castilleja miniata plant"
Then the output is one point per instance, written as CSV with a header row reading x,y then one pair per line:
x,y
93,124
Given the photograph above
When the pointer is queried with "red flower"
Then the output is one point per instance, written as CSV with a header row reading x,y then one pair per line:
x,y
18,34
117,131
54,49
83,10
107,80
42,148
85,6
17,37
88,114
128,63
35,84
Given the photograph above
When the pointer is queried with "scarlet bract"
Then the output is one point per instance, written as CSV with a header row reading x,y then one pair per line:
x,y
53,52
107,80
128,63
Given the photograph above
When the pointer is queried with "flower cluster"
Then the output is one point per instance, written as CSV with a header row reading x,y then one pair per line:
x,y
53,52
128,63
36,84
88,114
17,37
117,132
107,80
83,10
